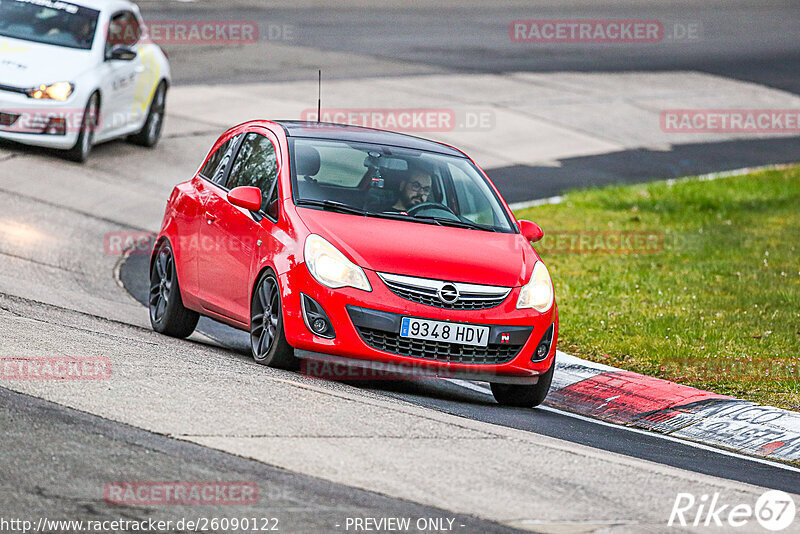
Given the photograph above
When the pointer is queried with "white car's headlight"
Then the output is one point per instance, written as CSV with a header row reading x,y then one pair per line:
x,y
54,91
331,268
538,293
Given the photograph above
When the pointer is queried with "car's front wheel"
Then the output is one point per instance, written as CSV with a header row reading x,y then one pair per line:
x,y
267,337
168,315
524,396
83,146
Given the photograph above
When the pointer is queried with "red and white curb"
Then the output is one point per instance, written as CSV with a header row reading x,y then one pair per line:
x,y
649,403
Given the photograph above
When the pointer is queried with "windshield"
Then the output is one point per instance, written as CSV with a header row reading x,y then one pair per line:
x,y
384,181
48,21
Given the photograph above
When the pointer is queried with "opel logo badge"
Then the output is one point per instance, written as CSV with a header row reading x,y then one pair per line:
x,y
448,294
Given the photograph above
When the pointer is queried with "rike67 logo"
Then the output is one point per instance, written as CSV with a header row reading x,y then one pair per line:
x,y
774,510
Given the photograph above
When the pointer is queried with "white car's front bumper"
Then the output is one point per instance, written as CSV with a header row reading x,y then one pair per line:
x,y
24,120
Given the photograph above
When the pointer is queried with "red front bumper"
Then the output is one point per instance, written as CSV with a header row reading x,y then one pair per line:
x,y
348,343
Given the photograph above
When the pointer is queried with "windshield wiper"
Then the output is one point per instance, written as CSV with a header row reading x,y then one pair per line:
x,y
331,205
458,223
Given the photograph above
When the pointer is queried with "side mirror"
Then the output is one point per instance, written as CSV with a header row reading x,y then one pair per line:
x,y
246,197
532,231
121,53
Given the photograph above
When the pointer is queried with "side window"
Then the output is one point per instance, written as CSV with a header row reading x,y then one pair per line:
x,y
256,165
123,30
214,169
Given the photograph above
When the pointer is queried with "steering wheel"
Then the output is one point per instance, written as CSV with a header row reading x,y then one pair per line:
x,y
431,206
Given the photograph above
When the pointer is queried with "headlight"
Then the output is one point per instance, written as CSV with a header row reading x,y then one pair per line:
x,y
538,293
331,268
55,91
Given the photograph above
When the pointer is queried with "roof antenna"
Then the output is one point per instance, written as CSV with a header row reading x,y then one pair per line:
x,y
319,98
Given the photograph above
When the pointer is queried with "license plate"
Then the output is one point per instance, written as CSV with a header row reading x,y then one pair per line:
x,y
462,334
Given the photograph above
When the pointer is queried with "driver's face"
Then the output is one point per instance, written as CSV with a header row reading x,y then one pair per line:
x,y
417,189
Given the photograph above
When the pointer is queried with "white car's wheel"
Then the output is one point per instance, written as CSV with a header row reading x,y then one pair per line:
x,y
83,146
150,133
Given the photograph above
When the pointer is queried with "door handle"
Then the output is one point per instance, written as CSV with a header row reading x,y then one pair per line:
x,y
210,217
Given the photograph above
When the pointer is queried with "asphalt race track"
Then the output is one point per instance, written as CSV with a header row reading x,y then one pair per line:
x,y
35,430
742,40
477,403
323,451
753,41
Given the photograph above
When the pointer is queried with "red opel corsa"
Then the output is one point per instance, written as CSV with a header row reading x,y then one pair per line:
x,y
349,245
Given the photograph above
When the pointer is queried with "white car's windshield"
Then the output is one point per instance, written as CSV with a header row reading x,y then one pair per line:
x,y
48,21
394,182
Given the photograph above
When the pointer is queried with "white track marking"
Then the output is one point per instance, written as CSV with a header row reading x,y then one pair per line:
x,y
533,203
481,389
725,174
470,385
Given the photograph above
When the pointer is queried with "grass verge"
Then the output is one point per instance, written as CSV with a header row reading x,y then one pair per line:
x,y
694,281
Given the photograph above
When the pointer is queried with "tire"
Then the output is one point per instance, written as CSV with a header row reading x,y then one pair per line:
x,y
83,146
167,312
267,337
524,396
150,133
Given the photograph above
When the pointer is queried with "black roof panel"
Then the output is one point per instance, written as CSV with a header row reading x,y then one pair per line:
x,y
343,132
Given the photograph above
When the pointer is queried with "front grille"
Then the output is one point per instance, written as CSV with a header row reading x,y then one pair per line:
x,y
8,119
435,350
425,291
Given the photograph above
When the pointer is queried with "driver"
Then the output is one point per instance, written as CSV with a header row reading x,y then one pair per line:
x,y
83,31
414,190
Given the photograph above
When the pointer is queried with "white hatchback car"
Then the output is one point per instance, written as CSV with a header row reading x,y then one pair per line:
x,y
77,73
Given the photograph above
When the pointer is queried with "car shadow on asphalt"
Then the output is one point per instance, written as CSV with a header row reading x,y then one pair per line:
x,y
18,149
